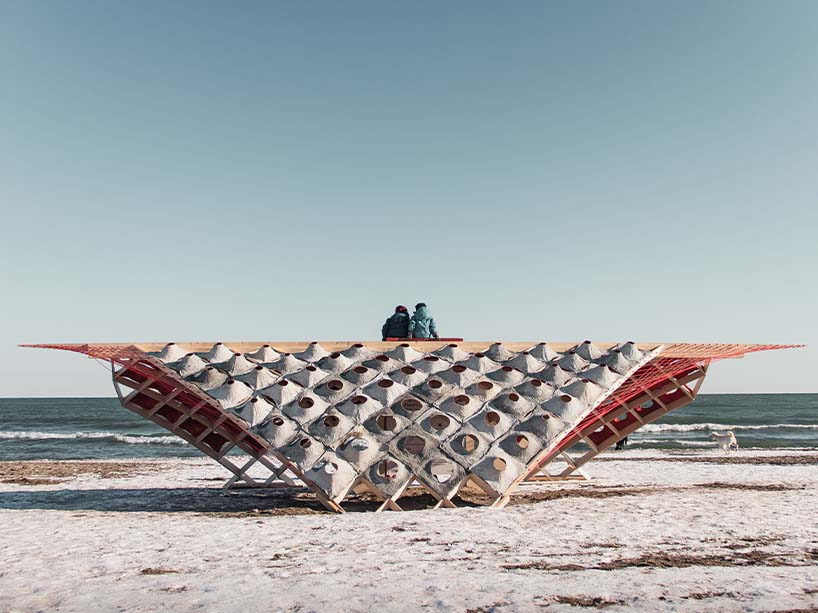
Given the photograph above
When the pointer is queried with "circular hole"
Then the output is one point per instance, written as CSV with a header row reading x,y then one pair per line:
x,y
254,400
386,422
411,404
408,370
311,368
439,422
565,398
382,358
469,442
507,368
513,397
209,368
617,351
431,358
479,354
277,421
331,421
458,368
485,385
314,343
492,418
536,382
545,417
219,343
305,443
360,369
169,344
386,383
388,469
306,403
236,355
187,355
499,464
414,444
441,470
357,345
435,384
462,400
522,442
259,367
231,382
335,385
284,383
452,345
286,353
358,400
335,355
266,346
586,342
586,380
403,345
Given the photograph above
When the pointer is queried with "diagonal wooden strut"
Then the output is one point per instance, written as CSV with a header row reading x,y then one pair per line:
x,y
616,424
159,395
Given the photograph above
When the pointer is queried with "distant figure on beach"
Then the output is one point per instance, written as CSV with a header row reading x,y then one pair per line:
x,y
725,440
422,325
396,326
620,444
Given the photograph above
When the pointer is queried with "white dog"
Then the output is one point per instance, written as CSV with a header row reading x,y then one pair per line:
x,y
726,440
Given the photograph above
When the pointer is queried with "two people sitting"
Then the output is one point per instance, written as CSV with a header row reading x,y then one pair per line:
x,y
419,325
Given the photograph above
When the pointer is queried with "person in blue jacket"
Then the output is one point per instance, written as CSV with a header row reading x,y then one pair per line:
x,y
422,325
396,326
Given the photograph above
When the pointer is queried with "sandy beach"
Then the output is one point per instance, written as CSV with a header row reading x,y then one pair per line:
x,y
675,531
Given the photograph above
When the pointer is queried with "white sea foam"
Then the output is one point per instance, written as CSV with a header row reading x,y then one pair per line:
x,y
660,441
656,428
120,438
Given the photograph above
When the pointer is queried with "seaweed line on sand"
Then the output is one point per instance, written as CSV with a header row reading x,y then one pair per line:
x,y
672,560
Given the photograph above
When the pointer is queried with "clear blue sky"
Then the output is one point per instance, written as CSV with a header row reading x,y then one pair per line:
x,y
531,170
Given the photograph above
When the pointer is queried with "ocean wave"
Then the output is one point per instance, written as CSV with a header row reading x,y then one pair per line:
x,y
120,438
657,428
661,441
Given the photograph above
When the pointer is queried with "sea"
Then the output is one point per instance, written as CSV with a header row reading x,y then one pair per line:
x,y
99,428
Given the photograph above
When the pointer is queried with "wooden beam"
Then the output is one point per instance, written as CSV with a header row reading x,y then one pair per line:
x,y
671,350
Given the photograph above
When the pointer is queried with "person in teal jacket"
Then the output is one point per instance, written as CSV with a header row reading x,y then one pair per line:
x,y
422,325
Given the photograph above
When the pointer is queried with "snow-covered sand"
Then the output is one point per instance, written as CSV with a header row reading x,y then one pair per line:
x,y
652,530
